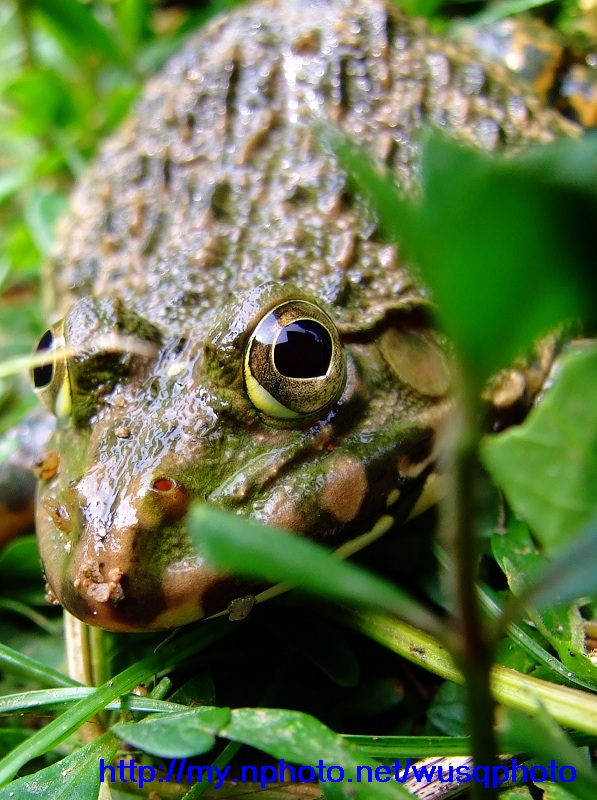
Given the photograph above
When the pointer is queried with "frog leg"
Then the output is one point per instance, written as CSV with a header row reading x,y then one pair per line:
x,y
511,394
22,445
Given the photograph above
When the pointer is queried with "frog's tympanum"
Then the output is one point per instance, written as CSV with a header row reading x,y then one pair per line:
x,y
286,368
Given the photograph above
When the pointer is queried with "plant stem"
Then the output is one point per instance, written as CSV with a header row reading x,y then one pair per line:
x,y
471,647
25,25
571,708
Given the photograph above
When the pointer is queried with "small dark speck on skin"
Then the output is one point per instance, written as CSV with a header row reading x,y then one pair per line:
x,y
167,170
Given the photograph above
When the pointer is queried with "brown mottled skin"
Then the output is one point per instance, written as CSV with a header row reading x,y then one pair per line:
x,y
214,203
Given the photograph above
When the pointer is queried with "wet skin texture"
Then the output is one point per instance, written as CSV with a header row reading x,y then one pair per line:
x,y
212,206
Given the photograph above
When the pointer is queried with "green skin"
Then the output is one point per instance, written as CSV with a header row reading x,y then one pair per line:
x,y
214,204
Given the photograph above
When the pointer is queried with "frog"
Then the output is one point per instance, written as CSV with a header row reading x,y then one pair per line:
x,y
561,71
281,359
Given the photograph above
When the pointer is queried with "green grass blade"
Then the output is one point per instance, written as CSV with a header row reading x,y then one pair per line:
x,y
249,548
64,725
33,670
57,698
569,707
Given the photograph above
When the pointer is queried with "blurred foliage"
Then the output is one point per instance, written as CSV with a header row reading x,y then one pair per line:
x,y
69,72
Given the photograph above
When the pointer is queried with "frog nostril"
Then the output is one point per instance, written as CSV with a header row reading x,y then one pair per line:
x,y
171,496
164,485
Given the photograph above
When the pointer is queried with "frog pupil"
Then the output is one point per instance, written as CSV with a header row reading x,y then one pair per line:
x,y
42,374
303,350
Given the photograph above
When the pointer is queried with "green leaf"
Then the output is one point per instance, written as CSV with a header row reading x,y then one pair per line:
x,y
77,775
42,210
59,698
558,791
388,747
179,735
133,20
448,710
19,562
20,664
61,727
246,547
321,642
79,28
493,245
547,466
302,739
517,793
12,181
493,238
541,736
421,8
569,707
506,8
528,641
571,575
561,624
43,100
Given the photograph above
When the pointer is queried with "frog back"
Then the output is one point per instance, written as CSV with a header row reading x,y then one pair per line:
x,y
218,182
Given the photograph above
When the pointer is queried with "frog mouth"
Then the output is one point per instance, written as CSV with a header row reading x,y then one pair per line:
x,y
127,579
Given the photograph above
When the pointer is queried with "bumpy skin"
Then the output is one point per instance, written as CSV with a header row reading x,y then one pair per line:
x,y
214,203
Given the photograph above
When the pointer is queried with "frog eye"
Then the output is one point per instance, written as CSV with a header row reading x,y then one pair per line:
x,y
294,362
51,380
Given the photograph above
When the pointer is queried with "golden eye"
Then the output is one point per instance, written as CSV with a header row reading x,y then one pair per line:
x,y
51,380
294,362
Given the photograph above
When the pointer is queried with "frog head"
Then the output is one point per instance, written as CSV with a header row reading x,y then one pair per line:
x,y
279,412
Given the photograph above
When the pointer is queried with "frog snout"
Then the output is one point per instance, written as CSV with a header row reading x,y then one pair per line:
x,y
106,549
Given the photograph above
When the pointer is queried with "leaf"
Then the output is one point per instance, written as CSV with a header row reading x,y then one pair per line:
x,y
547,466
493,239
560,623
319,641
43,100
19,562
12,181
42,210
541,736
421,8
79,28
448,710
27,667
517,793
558,791
286,735
505,8
133,20
246,547
302,739
569,576
60,728
77,775
178,735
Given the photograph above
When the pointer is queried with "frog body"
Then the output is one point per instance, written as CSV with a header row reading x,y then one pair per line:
x,y
288,369
561,75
